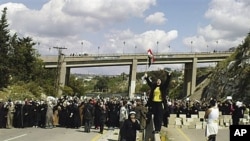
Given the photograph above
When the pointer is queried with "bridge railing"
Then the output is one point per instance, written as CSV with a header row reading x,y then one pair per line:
x,y
156,54
141,54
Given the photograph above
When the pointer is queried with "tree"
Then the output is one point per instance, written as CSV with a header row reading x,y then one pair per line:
x,y
23,59
76,85
19,62
4,50
102,84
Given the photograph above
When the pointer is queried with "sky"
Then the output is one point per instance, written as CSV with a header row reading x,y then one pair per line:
x,y
129,27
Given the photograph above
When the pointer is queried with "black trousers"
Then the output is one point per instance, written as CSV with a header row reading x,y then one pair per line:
x,y
88,124
157,111
212,138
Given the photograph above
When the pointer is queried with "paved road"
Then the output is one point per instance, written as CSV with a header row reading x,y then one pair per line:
x,y
64,134
182,134
56,134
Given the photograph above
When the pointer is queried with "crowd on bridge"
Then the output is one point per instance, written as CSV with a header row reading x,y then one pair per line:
x,y
72,112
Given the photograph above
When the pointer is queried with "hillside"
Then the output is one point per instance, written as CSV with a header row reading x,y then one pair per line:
x,y
199,89
232,76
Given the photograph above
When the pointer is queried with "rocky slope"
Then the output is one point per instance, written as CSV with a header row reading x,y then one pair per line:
x,y
232,76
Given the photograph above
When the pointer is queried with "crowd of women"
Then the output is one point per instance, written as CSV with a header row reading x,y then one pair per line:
x,y
72,112
69,112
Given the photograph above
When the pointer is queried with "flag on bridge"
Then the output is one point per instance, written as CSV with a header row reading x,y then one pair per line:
x,y
151,58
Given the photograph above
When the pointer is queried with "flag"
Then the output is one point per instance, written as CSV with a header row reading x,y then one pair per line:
x,y
151,58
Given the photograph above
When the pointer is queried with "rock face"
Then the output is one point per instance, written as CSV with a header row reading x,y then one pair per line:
x,y
232,76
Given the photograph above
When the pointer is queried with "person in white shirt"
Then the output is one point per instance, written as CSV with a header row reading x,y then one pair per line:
x,y
123,113
212,117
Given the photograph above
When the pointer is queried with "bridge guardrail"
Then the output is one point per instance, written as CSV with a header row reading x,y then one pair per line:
x,y
141,54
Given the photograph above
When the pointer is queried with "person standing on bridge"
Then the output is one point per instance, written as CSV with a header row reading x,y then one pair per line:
x,y
212,117
157,101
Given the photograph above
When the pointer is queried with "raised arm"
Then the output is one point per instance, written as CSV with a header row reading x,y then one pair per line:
x,y
167,81
147,79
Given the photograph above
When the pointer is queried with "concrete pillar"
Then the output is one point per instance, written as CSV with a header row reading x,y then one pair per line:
x,y
67,76
62,77
190,77
187,78
194,72
132,78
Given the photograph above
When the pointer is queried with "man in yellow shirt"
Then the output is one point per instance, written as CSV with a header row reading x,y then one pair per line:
x,y
157,99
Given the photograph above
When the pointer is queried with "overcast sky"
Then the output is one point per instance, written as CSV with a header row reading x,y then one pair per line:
x,y
129,26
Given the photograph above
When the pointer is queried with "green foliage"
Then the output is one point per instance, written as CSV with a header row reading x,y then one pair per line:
x,y
142,88
48,89
34,88
89,86
77,85
20,67
16,92
102,84
118,84
23,60
4,50
67,91
176,92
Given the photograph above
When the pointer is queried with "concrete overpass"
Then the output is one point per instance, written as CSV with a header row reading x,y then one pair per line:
x,y
64,63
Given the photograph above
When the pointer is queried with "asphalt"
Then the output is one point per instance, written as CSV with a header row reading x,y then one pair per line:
x,y
184,134
167,134
113,135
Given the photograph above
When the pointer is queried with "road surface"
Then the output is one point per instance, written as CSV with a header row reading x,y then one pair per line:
x,y
56,134
66,134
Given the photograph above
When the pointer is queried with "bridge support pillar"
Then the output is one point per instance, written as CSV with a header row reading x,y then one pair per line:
x,y
62,77
132,78
190,77
67,76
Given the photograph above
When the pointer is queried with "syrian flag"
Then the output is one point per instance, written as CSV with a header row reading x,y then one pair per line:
x,y
151,58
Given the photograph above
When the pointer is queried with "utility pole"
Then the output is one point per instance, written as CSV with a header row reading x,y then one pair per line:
x,y
58,71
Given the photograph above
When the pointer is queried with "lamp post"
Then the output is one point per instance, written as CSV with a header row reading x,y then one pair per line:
x,y
135,49
191,46
37,50
123,47
216,45
82,48
157,47
98,50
